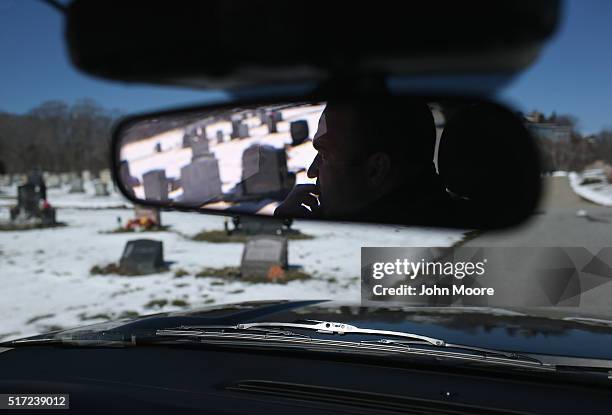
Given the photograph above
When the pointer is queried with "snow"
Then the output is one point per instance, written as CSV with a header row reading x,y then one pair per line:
x,y
600,193
142,156
46,280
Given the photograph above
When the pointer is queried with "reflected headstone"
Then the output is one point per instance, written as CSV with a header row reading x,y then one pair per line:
x,y
239,129
142,256
299,132
201,181
261,253
220,136
264,171
155,185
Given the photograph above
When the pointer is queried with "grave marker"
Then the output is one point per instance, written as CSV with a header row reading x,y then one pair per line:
x,y
263,253
155,185
142,256
299,132
201,181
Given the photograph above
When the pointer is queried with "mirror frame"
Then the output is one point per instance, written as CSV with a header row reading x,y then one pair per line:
x,y
319,95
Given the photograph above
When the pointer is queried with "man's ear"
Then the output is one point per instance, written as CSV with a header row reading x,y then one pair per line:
x,y
379,169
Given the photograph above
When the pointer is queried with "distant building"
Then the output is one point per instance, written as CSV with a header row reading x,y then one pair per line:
x,y
540,128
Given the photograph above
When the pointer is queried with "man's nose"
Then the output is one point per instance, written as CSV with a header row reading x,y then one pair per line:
x,y
313,170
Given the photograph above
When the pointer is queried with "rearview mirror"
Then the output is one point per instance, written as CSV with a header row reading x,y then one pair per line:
x,y
411,161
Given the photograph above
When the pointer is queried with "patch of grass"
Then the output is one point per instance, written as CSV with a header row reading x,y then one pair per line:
x,y
238,291
179,273
590,180
50,328
128,314
11,226
209,301
163,228
225,272
180,303
220,236
181,285
233,274
114,269
101,316
37,318
157,303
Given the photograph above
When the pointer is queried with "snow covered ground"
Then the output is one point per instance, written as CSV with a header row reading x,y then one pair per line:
x,y
600,192
46,281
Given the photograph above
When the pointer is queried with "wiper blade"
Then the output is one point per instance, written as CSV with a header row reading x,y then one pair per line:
x,y
329,327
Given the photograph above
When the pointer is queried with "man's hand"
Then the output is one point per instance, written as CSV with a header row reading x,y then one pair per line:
x,y
302,202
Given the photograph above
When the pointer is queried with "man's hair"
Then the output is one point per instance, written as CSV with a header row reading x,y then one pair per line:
x,y
404,129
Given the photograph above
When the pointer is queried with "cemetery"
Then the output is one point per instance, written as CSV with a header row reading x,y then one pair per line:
x,y
72,273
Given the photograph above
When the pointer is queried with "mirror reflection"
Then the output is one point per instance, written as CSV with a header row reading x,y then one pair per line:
x,y
407,161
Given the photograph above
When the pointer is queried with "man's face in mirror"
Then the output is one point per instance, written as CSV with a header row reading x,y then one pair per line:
x,y
339,166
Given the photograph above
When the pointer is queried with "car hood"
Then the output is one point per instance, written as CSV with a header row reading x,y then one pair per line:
x,y
482,327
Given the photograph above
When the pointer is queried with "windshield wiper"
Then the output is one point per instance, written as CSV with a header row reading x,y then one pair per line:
x,y
278,332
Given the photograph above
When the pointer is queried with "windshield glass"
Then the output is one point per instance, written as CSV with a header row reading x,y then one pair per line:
x,y
75,252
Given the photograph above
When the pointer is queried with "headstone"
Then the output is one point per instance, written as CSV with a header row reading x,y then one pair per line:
x,y
264,171
148,213
28,200
261,253
271,123
201,181
194,134
155,185
106,176
86,175
100,188
53,181
239,129
76,185
299,132
142,256
199,148
220,136
5,180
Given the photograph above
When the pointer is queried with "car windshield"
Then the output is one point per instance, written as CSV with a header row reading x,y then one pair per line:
x,y
75,252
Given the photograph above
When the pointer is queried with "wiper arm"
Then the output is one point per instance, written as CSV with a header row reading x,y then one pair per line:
x,y
329,327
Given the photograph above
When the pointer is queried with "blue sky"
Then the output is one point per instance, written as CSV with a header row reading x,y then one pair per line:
x,y
573,75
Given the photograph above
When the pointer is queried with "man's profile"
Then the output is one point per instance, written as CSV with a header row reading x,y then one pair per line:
x,y
374,162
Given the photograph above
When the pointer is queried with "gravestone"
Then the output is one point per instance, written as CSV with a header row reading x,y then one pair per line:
x,y
86,175
264,171
106,176
100,188
271,123
53,181
76,185
220,136
148,214
28,200
261,253
142,256
239,129
155,185
299,132
201,181
195,137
